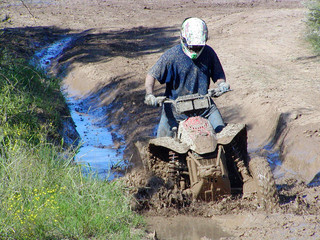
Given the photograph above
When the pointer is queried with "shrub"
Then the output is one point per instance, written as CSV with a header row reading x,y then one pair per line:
x,y
313,22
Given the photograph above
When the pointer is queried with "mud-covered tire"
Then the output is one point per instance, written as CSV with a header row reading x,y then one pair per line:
x,y
266,187
145,159
154,165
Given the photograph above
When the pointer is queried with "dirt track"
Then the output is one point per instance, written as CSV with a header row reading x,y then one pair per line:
x,y
274,76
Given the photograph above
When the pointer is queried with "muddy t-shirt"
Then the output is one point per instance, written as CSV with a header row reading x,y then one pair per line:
x,y
184,76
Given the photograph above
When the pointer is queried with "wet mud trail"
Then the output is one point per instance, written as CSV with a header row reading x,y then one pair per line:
x,y
98,152
272,71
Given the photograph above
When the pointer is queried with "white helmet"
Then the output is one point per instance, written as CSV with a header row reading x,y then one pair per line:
x,y
194,35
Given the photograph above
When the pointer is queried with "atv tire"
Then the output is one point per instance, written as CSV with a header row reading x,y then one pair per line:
x,y
266,187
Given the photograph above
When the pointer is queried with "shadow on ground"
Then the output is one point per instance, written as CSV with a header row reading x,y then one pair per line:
x,y
130,43
89,46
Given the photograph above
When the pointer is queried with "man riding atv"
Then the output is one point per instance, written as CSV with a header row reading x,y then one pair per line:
x,y
186,69
195,152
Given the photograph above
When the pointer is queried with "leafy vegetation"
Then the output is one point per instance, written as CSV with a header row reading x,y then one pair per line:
x,y
314,24
43,194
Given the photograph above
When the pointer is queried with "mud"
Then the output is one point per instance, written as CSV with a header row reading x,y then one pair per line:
x,y
271,69
184,227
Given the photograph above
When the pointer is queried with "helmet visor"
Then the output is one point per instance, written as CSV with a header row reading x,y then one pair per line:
x,y
195,48
192,48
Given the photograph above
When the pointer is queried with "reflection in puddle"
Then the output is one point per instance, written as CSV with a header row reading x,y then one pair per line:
x,y
97,152
280,171
273,157
43,59
275,162
185,228
97,148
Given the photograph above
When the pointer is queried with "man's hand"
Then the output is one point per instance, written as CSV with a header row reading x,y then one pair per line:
x,y
150,100
224,87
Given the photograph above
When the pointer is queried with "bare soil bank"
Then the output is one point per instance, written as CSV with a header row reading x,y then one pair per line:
x,y
274,76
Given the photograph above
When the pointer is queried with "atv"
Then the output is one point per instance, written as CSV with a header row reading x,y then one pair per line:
x,y
206,165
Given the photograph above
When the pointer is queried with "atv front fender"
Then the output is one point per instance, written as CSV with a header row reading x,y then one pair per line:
x,y
230,132
170,143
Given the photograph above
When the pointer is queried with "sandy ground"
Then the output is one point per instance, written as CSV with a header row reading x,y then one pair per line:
x,y
274,75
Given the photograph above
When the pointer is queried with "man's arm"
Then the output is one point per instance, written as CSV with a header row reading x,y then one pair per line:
x,y
212,84
149,84
150,99
220,81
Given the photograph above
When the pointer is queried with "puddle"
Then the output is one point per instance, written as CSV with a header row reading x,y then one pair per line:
x,y
97,152
273,157
97,149
44,58
185,228
315,182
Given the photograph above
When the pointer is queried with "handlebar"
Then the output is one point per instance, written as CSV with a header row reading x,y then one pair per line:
x,y
213,92
192,103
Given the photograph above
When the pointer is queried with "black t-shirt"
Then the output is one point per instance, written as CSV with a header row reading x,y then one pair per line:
x,y
184,76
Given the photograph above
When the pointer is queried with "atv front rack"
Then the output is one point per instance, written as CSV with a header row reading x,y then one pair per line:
x,y
192,102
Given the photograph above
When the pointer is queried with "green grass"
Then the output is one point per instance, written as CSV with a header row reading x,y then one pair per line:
x,y
43,194
313,22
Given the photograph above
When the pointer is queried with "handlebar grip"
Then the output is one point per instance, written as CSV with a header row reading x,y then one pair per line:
x,y
162,99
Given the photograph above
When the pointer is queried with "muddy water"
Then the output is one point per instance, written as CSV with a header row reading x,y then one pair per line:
x,y
274,160
97,153
185,228
279,170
